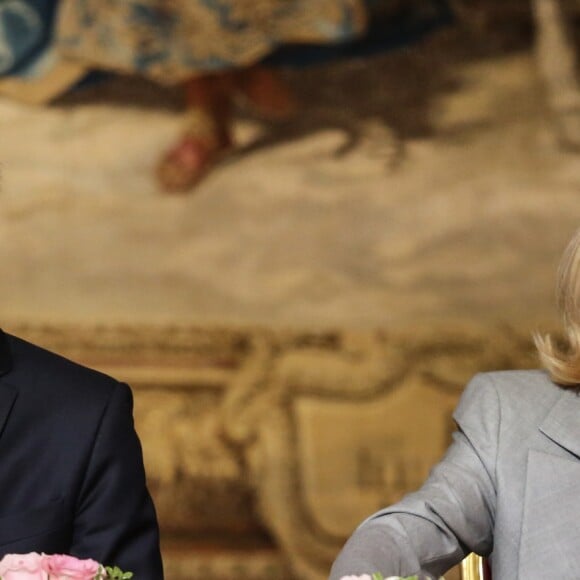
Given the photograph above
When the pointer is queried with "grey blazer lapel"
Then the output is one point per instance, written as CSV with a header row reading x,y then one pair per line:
x,y
550,537
562,424
550,540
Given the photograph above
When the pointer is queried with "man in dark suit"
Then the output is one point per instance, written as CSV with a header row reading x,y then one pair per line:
x,y
71,470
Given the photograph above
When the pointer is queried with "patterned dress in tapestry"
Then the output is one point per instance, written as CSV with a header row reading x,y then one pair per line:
x,y
171,40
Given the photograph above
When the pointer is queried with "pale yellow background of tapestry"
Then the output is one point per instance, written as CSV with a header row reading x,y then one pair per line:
x,y
358,457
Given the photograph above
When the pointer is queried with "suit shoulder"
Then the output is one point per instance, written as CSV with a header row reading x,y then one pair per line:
x,y
521,382
516,400
525,392
38,368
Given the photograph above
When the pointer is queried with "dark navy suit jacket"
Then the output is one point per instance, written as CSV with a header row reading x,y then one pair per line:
x,y
71,468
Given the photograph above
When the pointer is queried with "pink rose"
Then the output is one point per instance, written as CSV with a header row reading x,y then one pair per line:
x,y
23,567
63,567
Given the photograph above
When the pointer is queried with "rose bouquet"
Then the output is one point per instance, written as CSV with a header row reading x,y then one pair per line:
x,y
35,566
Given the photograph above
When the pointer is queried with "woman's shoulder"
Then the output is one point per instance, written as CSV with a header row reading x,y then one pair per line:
x,y
519,379
520,383
525,393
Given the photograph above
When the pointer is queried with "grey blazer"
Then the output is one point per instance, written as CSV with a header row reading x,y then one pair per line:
x,y
508,488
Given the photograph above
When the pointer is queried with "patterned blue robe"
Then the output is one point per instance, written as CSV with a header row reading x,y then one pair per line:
x,y
170,41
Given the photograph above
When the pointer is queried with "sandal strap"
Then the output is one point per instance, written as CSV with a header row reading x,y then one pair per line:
x,y
201,125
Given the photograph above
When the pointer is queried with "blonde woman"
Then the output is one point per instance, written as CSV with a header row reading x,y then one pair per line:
x,y
508,487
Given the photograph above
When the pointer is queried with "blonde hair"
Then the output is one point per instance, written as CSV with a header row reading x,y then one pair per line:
x,y
563,364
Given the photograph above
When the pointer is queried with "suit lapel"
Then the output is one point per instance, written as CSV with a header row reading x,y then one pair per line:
x,y
562,424
549,542
5,354
552,497
7,392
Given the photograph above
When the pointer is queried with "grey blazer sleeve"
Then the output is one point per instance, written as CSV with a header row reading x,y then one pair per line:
x,y
453,514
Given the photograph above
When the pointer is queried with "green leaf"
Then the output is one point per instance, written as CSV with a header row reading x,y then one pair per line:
x,y
115,573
